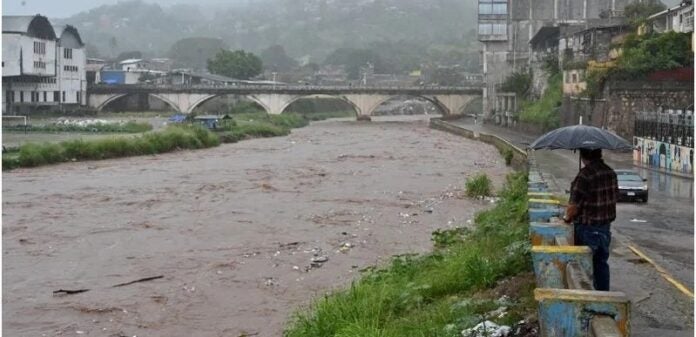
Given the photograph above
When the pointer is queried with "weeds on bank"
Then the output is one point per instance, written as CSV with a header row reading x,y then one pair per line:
x,y
173,138
244,125
431,295
478,186
129,127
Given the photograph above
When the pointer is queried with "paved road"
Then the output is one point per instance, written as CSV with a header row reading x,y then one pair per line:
x,y
663,229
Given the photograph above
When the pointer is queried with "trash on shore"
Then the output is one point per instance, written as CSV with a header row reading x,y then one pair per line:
x,y
487,329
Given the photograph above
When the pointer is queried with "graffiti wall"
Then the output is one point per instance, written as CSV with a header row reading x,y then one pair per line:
x,y
656,154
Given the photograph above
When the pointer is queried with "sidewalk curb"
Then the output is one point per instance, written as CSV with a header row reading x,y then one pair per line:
x,y
519,159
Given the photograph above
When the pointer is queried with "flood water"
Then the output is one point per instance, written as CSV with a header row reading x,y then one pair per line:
x,y
231,230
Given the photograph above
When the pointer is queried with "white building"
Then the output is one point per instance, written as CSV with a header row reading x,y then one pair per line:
x,y
678,19
43,67
133,65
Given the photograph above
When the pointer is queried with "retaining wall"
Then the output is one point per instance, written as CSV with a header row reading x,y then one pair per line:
x,y
519,156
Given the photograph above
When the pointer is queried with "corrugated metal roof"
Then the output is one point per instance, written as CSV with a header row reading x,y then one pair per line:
x,y
129,61
60,29
34,25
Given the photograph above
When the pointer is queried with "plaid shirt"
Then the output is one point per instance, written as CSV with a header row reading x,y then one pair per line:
x,y
594,191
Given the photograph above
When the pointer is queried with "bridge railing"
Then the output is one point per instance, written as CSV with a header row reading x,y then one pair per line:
x,y
267,87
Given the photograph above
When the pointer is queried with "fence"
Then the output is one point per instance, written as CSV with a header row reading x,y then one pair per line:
x,y
568,304
671,126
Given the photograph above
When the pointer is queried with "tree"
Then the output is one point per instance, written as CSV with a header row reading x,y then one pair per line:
x,y
639,11
92,51
354,59
648,53
275,59
126,55
194,52
236,64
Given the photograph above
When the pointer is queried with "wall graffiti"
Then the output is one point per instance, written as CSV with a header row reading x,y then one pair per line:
x,y
657,154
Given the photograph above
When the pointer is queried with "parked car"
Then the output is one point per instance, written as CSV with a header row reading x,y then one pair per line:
x,y
632,186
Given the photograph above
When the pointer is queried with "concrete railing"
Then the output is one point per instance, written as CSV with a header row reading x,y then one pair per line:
x,y
568,304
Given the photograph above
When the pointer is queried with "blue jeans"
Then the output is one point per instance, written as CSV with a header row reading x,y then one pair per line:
x,y
598,239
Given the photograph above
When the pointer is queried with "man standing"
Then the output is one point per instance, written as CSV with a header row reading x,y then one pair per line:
x,y
592,208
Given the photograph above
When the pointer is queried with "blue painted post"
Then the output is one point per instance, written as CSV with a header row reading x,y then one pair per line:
x,y
567,313
544,214
544,233
550,263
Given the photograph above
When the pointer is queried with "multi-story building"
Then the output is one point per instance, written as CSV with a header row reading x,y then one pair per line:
x,y
506,27
43,67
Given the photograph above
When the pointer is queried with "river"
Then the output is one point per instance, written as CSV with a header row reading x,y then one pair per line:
x,y
232,230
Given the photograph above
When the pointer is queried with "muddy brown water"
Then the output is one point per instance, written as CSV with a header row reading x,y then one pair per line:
x,y
232,230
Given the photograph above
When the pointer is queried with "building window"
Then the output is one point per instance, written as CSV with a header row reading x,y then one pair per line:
x,y
56,96
67,53
21,96
492,29
39,47
485,29
63,96
45,97
493,7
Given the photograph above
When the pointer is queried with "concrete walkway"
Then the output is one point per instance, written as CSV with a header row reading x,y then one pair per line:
x,y
662,229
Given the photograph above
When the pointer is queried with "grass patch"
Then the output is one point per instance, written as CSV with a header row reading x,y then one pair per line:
x,y
545,112
478,186
172,139
129,127
432,295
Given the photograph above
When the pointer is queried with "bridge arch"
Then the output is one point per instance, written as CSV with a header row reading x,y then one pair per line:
x,y
336,97
439,105
201,100
106,101
167,101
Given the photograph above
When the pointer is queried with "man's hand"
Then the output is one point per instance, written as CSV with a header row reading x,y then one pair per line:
x,y
571,212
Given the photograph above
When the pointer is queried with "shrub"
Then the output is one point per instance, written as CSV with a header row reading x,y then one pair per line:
x,y
478,186
519,82
31,155
171,139
545,111
9,161
507,155
129,127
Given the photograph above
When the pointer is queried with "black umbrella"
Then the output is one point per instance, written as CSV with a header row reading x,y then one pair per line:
x,y
580,137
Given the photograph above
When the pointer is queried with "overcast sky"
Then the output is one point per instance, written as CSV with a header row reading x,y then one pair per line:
x,y
66,8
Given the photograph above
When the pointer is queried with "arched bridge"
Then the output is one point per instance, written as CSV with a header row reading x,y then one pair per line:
x,y
450,100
